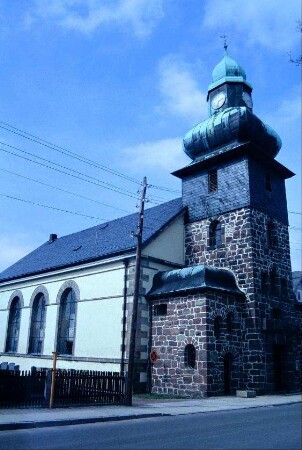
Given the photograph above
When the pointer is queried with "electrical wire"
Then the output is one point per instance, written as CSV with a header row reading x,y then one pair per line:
x,y
98,182
77,156
51,207
102,183
64,190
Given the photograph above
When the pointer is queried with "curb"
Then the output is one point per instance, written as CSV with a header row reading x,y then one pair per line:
x,y
64,422
10,426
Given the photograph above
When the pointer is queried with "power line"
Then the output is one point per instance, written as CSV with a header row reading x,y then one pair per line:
x,y
63,190
99,183
64,167
50,207
74,155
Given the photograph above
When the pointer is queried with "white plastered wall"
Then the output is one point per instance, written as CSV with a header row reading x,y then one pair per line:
x,y
169,245
98,319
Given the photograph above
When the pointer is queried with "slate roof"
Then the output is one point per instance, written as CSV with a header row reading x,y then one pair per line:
x,y
193,279
101,241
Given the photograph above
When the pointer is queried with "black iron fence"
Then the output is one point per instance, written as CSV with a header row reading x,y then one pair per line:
x,y
23,389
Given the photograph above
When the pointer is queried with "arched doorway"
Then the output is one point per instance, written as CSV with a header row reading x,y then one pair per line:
x,y
227,372
278,366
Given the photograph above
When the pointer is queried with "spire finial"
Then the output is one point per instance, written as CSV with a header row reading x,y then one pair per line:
x,y
225,45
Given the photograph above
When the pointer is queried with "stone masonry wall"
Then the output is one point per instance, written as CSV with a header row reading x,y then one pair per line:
x,y
245,249
190,320
185,323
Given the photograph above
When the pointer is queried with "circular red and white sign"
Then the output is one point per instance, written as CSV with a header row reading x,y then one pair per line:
x,y
153,356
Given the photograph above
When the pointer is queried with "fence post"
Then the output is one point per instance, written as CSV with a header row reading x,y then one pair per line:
x,y
53,379
47,386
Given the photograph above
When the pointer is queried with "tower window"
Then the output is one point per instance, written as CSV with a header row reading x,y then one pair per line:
x,y
212,181
272,239
160,310
230,322
215,234
283,286
190,356
264,282
274,283
277,314
268,182
217,327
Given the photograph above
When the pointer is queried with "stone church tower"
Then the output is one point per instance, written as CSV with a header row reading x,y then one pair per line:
x,y
234,191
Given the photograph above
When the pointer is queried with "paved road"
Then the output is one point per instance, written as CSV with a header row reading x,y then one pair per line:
x,y
276,427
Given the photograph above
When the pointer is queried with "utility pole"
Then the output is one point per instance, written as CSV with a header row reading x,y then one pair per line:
x,y
138,235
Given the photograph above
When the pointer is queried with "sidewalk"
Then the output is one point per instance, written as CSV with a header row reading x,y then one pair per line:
x,y
14,419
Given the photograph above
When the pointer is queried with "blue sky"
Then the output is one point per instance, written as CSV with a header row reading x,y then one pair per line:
x,y
121,82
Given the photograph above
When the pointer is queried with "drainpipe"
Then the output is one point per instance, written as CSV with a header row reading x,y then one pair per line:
x,y
126,263
149,364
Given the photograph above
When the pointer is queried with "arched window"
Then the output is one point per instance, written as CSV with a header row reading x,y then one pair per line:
x,y
215,234
217,327
264,283
271,235
190,356
274,283
13,328
230,322
37,325
66,325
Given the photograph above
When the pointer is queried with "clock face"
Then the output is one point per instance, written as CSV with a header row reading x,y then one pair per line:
x,y
218,100
247,99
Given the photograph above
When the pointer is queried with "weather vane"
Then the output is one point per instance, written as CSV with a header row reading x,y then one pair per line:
x,y
225,45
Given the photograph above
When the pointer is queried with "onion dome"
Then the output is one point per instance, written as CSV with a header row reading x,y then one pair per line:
x,y
228,70
232,125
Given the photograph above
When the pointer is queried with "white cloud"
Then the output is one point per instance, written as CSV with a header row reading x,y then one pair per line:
x,y
12,248
287,116
270,23
88,15
164,154
179,89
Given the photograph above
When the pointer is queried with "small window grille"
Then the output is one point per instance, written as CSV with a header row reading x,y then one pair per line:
x,y
160,310
268,182
190,356
212,181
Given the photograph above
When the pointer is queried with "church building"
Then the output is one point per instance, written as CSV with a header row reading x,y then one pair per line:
x,y
217,312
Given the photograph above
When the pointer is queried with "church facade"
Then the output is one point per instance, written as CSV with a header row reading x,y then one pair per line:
x,y
234,192
216,310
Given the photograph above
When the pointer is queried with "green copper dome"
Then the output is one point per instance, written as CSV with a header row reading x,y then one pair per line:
x,y
228,70
233,125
